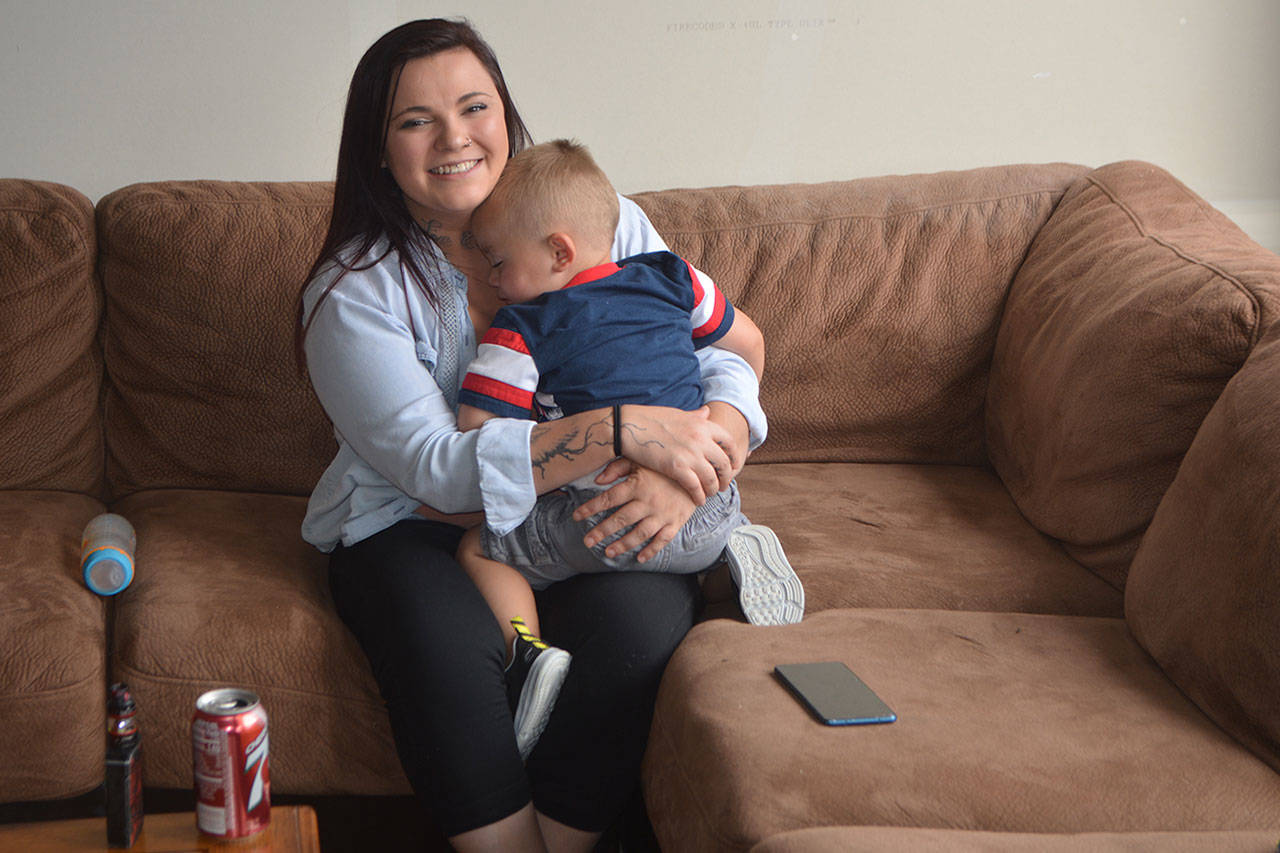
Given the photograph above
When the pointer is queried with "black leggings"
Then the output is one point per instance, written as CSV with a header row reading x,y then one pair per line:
x,y
437,654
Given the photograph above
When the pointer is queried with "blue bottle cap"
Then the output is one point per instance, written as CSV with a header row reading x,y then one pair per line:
x,y
107,571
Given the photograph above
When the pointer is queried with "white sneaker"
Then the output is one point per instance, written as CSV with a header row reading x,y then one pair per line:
x,y
534,678
768,589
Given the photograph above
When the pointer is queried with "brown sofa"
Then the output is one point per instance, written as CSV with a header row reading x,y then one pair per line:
x,y
1024,452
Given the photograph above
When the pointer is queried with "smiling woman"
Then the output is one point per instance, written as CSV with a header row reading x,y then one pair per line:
x,y
391,311
446,139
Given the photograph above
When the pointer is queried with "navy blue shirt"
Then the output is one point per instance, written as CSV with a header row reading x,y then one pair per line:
x,y
617,333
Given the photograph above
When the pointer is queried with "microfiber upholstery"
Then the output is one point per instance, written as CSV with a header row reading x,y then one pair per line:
x,y
53,673
231,595
53,670
880,300
929,536
1204,591
201,282
1022,454
50,365
1007,722
1136,304
876,839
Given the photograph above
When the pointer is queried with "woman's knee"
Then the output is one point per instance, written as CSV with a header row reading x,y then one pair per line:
x,y
625,623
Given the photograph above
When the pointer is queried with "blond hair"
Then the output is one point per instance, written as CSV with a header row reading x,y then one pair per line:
x,y
555,186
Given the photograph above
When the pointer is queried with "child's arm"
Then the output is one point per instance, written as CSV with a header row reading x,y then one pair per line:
x,y
471,417
500,381
711,310
744,339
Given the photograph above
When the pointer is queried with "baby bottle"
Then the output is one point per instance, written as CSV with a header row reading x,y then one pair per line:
x,y
106,553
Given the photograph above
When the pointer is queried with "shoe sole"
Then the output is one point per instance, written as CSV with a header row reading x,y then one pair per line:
x,y
538,697
768,589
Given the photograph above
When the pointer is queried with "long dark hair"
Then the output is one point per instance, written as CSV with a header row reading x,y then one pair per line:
x,y
367,203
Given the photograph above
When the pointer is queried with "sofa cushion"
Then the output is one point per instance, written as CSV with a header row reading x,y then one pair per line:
x,y
1204,591
1135,305
53,678
228,594
202,280
879,300
1006,722
928,536
50,366
873,839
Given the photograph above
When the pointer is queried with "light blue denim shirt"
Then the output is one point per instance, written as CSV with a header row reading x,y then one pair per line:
x,y
373,352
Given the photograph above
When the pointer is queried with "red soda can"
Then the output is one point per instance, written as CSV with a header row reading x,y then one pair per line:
x,y
232,779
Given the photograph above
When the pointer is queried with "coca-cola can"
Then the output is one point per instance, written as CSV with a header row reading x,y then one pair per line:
x,y
232,779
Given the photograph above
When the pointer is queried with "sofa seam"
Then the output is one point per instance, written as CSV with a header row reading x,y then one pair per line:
x,y
116,500
128,206
869,217
172,679
53,691
1255,324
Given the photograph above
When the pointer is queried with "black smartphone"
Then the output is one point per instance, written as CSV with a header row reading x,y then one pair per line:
x,y
834,694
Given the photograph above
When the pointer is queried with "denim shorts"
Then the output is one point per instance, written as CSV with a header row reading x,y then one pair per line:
x,y
547,546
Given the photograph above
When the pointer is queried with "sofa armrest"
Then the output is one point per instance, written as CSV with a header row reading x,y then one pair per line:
x,y
1136,303
1203,595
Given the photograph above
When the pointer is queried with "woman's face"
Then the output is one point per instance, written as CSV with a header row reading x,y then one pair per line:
x,y
446,136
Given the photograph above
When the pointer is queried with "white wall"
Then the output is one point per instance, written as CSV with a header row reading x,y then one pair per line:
x,y
101,93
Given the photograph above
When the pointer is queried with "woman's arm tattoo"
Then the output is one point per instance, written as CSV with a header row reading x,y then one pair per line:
x,y
570,445
575,442
637,436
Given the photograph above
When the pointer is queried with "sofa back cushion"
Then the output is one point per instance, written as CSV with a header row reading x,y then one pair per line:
x,y
1203,595
201,281
879,300
50,364
1136,304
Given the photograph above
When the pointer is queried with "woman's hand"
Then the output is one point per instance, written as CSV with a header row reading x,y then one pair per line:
x,y
687,447
656,505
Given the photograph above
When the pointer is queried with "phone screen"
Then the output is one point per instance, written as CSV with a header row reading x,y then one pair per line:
x,y
834,694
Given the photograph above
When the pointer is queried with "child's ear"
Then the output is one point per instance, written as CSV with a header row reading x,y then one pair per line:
x,y
563,251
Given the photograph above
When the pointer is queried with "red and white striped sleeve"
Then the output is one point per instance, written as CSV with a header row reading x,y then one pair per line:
x,y
503,377
712,314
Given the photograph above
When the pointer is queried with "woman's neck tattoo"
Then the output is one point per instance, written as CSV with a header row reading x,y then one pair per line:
x,y
433,231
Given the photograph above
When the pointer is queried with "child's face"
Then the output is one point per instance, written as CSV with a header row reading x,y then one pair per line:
x,y
520,266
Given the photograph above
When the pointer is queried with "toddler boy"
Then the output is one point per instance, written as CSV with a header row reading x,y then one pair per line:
x,y
580,333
